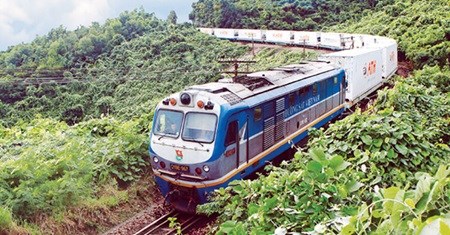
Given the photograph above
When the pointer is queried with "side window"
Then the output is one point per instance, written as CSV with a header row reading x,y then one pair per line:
x,y
315,88
303,91
335,80
257,114
231,133
291,99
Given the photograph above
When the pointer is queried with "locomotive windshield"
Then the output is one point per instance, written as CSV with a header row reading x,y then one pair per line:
x,y
168,123
199,127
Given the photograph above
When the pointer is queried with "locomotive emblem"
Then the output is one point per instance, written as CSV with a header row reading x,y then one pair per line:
x,y
179,154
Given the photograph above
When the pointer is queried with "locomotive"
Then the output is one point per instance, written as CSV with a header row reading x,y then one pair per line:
x,y
208,135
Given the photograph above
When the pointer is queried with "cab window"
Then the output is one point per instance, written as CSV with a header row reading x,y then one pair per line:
x,y
257,114
168,123
199,127
231,133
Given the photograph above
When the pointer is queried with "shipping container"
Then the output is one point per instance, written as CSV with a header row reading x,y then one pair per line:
x,y
226,33
333,41
389,50
363,70
280,36
250,35
304,38
208,31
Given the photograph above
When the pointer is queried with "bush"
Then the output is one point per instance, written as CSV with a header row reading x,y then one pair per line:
x,y
6,221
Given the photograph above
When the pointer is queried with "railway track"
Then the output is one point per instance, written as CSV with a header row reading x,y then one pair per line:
x,y
184,221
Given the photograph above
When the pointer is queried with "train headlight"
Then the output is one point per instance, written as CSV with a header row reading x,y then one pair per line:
x,y
173,101
200,104
155,159
198,171
206,168
185,98
209,105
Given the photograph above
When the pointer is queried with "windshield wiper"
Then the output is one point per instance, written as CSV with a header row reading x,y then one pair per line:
x,y
163,135
196,141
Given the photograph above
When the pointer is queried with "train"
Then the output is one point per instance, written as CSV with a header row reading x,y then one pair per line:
x,y
208,135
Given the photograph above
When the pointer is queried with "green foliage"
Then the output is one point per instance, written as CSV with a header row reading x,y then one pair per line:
x,y
46,166
173,223
270,14
421,28
6,221
288,198
172,17
396,210
61,48
125,80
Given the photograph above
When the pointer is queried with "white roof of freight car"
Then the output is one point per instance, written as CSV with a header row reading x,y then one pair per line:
x,y
350,53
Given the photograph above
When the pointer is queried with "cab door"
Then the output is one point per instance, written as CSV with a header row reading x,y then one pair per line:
x,y
231,142
236,139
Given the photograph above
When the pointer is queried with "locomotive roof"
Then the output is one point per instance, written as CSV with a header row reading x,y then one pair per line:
x,y
255,83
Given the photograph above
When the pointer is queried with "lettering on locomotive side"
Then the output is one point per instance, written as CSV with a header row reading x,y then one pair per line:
x,y
296,108
304,121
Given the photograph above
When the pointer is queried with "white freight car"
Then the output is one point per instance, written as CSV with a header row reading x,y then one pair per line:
x,y
280,36
362,68
255,35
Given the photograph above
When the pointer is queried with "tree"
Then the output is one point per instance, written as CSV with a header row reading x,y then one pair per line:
x,y
172,17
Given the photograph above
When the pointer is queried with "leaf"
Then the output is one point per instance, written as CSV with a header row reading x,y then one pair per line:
x,y
378,213
377,142
376,180
410,203
318,155
252,209
343,193
227,226
337,163
349,229
353,186
314,166
363,159
401,149
366,139
391,192
391,153
357,153
444,228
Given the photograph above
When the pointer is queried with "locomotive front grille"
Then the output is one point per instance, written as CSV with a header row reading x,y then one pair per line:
x,y
183,199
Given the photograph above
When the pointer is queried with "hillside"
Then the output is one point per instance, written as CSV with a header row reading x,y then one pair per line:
x,y
283,15
116,77
422,29
382,171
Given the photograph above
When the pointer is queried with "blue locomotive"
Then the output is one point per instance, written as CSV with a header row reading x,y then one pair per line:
x,y
208,135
